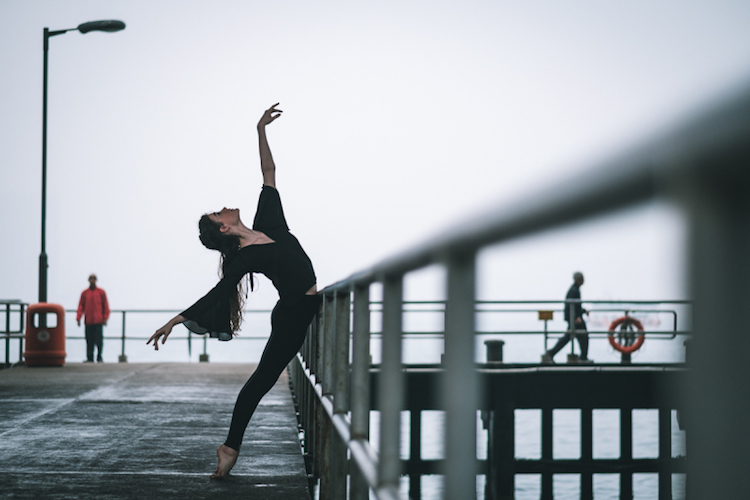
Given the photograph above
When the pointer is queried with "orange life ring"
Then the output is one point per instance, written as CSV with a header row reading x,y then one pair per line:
x,y
626,320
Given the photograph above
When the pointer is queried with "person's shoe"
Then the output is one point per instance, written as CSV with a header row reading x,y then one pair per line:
x,y
89,361
99,360
547,359
586,361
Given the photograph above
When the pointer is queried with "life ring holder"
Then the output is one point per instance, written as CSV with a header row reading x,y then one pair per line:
x,y
626,320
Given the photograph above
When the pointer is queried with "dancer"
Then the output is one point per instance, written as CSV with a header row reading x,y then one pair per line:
x,y
268,248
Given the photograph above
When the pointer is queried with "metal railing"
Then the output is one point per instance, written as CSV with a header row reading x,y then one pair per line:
x,y
12,317
498,307
188,336
12,328
15,329
701,166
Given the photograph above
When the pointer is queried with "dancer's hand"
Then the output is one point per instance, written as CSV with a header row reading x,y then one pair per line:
x,y
163,332
269,115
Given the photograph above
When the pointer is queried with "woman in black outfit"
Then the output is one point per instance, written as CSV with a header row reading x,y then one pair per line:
x,y
268,248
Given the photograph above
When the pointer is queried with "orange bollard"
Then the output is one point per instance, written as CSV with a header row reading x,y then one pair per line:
x,y
45,345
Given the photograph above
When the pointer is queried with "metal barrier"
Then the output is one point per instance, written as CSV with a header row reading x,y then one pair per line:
x,y
700,166
497,307
13,329
189,337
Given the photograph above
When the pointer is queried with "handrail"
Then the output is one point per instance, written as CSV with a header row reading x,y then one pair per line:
x,y
701,165
13,306
374,307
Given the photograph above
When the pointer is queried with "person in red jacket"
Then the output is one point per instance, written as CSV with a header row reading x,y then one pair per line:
x,y
94,306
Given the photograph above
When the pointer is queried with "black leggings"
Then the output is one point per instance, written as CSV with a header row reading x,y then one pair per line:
x,y
288,329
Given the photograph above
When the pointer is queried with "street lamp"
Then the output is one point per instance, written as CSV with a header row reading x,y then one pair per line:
x,y
108,26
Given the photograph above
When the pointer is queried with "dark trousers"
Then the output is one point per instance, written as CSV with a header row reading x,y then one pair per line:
x,y
288,329
94,338
580,333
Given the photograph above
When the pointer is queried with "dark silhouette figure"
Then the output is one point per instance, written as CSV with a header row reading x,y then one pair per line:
x,y
268,248
573,314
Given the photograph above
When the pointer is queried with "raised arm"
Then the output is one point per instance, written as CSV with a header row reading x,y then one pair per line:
x,y
267,166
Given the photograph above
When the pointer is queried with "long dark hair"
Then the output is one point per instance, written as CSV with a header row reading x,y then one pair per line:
x,y
228,245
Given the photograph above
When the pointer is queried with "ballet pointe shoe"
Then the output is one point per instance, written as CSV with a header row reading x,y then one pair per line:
x,y
227,459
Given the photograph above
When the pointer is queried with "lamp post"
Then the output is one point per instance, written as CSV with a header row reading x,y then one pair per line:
x,y
108,26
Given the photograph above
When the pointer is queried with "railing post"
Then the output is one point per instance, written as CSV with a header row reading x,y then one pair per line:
x,y
319,369
360,389
341,386
460,382
391,390
718,203
7,335
329,486
573,334
23,329
329,345
333,484
123,358
203,358
312,427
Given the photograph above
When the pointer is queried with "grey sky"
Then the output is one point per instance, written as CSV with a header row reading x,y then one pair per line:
x,y
400,119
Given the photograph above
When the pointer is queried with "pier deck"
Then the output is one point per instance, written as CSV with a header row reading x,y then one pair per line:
x,y
141,431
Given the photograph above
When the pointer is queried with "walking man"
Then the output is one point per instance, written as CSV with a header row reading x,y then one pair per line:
x,y
94,306
576,325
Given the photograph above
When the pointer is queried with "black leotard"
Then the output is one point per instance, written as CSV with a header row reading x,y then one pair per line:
x,y
284,262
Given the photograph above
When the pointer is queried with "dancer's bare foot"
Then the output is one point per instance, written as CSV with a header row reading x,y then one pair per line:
x,y
227,459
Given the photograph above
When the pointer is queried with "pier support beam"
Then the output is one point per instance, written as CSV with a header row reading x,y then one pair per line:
x,y
501,452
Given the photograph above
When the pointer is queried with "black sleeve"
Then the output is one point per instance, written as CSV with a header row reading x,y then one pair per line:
x,y
270,215
212,310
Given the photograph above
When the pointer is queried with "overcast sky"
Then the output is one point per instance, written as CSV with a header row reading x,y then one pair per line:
x,y
400,119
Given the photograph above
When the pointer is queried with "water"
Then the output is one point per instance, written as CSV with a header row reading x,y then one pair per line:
x,y
566,445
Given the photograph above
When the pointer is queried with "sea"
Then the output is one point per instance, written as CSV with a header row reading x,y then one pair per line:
x,y
524,341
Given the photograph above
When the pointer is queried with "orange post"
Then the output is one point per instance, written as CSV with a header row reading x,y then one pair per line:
x,y
45,335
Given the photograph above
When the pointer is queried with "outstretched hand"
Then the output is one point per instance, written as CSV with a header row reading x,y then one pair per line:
x,y
269,115
164,332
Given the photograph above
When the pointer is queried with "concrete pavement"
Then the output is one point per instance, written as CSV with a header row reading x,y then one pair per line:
x,y
112,431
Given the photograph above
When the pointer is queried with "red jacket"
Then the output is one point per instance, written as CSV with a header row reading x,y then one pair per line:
x,y
94,305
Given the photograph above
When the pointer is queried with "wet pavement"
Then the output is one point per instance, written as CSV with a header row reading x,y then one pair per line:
x,y
141,431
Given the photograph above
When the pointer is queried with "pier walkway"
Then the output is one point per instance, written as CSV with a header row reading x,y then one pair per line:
x,y
141,431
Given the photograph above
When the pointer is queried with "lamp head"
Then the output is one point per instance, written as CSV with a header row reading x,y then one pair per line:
x,y
109,26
